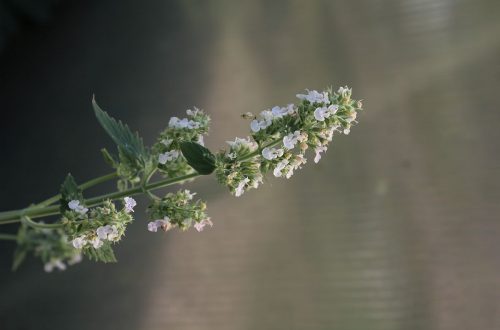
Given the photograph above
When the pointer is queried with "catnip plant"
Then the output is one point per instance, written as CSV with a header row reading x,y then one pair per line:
x,y
278,142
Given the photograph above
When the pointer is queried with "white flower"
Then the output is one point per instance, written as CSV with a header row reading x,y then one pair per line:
x,y
279,112
272,153
199,226
107,232
280,167
96,242
168,156
347,131
130,203
76,258
162,223
324,112
267,115
290,140
79,242
54,263
183,123
318,151
257,125
240,189
189,194
232,155
327,134
315,97
75,206
239,142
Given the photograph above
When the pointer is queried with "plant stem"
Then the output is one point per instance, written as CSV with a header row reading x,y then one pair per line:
x,y
34,224
45,208
83,186
36,212
8,237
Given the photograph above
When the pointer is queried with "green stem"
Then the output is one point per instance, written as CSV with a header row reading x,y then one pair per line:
x,y
34,224
8,237
38,212
35,212
83,186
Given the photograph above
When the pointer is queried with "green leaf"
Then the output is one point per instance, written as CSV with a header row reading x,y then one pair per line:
x,y
19,256
108,158
104,253
198,157
127,140
69,191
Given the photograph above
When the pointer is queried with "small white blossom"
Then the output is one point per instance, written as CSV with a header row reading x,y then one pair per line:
x,y
347,131
272,153
130,203
243,143
54,263
279,112
75,206
232,155
199,226
318,150
79,242
324,112
168,156
96,242
107,232
240,189
189,194
183,123
161,223
290,140
257,125
315,97
280,167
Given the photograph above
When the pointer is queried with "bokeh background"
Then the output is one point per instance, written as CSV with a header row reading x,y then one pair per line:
x,y
396,228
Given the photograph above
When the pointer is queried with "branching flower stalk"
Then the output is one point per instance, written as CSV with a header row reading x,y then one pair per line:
x,y
280,138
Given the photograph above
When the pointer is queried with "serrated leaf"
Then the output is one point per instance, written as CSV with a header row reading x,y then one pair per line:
x,y
69,191
105,253
198,157
128,141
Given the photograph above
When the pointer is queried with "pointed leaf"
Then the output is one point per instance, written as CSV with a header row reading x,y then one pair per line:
x,y
121,134
198,157
105,253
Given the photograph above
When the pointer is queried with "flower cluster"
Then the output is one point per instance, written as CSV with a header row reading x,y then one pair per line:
x,y
99,227
50,245
236,169
283,134
167,148
178,210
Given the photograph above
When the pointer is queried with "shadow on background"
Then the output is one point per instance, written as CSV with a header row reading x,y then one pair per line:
x,y
396,228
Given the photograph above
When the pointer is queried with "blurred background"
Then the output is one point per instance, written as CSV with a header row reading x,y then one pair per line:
x,y
396,228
